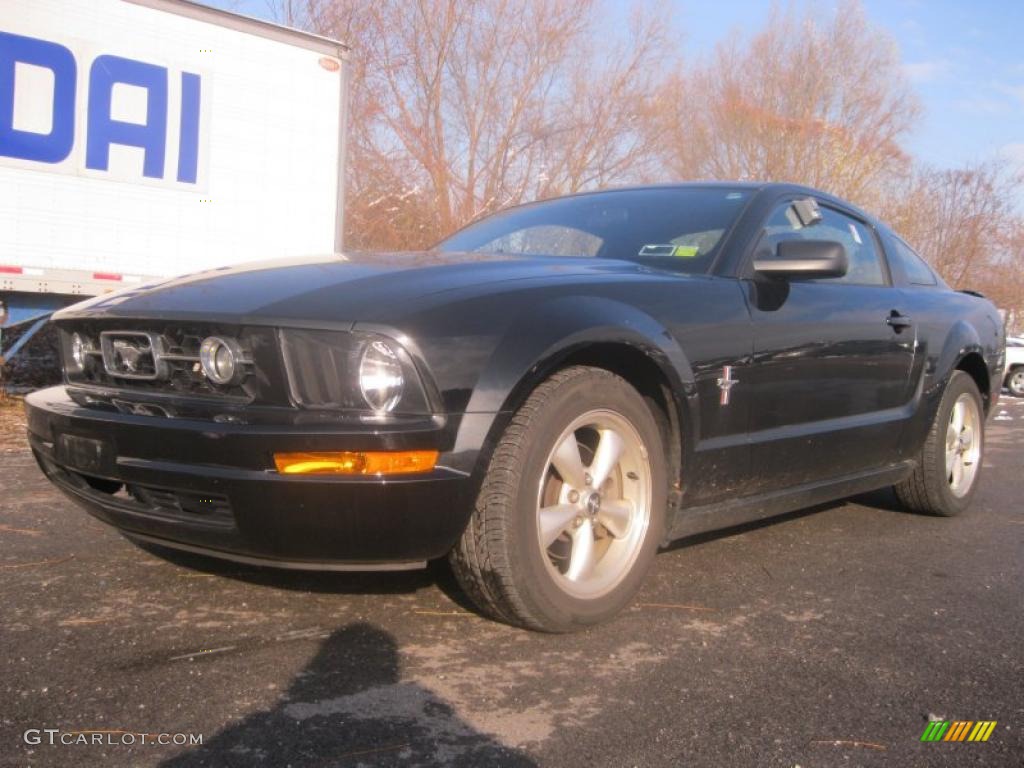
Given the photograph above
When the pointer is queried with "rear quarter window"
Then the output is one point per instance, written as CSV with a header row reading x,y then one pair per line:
x,y
913,267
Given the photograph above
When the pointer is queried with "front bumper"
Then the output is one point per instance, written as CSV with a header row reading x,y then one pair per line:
x,y
210,487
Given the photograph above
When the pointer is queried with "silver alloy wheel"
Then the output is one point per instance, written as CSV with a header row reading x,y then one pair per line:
x,y
963,445
1016,382
594,504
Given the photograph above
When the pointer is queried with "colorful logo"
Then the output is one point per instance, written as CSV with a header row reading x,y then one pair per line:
x,y
959,730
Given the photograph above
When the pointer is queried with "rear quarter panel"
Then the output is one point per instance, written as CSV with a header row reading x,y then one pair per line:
x,y
949,326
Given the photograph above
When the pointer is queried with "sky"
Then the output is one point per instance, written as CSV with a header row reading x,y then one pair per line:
x,y
964,58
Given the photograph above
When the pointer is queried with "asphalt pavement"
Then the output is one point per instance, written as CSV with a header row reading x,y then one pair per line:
x,y
827,637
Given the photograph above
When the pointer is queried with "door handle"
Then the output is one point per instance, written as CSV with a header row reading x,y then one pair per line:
x,y
898,321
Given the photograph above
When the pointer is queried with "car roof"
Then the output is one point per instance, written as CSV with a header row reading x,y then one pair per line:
x,y
780,187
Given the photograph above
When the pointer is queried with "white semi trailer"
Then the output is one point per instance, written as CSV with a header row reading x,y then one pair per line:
x,y
145,138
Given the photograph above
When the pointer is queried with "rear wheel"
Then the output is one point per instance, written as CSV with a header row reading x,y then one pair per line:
x,y
946,476
571,511
1015,381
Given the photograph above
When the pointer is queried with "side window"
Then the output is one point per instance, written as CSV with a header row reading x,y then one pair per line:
x,y
865,262
913,266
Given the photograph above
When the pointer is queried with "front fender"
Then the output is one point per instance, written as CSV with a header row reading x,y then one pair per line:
x,y
536,345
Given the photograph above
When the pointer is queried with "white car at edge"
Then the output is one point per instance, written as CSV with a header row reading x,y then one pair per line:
x,y
1014,380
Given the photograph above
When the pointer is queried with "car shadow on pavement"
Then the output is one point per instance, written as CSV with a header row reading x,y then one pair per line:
x,y
350,706
883,498
437,574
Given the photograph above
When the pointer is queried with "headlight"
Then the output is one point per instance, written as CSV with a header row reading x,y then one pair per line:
x,y
352,371
221,360
380,376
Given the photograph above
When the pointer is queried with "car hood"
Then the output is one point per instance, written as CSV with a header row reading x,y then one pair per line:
x,y
334,289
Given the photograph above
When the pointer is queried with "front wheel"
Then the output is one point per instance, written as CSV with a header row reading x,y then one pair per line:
x,y
572,508
1015,381
949,464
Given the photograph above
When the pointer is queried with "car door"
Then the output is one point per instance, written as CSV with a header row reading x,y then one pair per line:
x,y
713,326
832,357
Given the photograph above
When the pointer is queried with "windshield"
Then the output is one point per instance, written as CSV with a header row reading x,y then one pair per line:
x,y
676,228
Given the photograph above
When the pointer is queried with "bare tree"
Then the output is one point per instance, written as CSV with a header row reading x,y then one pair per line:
x,y
819,103
1006,286
961,220
460,108
965,223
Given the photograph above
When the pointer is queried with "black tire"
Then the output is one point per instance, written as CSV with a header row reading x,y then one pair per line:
x,y
928,490
1015,381
499,562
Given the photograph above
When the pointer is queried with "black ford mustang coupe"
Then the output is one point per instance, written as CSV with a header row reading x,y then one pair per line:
x,y
545,398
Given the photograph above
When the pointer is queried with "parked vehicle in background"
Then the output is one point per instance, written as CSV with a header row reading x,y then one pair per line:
x,y
146,138
1014,379
545,398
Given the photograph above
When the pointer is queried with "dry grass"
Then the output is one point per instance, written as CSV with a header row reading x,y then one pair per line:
x,y
12,422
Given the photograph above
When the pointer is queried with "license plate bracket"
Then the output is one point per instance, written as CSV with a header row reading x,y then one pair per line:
x,y
85,454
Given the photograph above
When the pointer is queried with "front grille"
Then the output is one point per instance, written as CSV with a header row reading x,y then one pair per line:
x,y
132,355
157,357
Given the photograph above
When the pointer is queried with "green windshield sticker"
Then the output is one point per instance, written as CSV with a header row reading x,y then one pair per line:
x,y
686,251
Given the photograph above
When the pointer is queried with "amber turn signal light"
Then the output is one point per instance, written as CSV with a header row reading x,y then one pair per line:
x,y
355,462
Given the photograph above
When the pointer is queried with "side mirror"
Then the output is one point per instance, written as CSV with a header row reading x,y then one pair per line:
x,y
805,258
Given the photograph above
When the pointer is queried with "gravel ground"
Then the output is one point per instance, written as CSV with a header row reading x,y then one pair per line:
x,y
824,638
